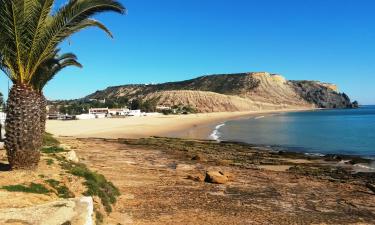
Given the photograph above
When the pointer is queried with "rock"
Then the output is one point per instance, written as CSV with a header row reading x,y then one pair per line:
x,y
196,177
218,177
65,146
355,104
71,156
76,211
199,158
371,187
185,167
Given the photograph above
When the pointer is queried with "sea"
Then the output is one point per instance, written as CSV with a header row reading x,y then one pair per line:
x,y
320,132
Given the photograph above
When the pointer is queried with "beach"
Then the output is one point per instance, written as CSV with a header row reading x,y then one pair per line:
x,y
196,126
164,180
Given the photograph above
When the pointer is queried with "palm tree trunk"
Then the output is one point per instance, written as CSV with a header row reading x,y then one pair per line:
x,y
43,114
23,130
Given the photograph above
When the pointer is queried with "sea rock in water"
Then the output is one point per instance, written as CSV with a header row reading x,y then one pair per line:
x,y
77,211
217,177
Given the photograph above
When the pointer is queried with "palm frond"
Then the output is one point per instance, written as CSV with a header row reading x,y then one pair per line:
x,y
30,35
51,67
70,19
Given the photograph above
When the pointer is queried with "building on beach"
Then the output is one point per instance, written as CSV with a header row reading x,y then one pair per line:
x,y
96,111
118,112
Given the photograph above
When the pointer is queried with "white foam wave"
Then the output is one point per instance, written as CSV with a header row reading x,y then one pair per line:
x,y
215,135
370,167
259,117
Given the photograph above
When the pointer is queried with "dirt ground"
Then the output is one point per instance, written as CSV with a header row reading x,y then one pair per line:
x,y
155,189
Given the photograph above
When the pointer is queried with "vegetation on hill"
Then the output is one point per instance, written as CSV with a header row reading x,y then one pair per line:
x,y
234,92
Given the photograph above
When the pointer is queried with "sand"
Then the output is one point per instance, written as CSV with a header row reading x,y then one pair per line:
x,y
187,126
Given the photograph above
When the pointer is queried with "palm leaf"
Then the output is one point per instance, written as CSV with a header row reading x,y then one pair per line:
x,y
30,35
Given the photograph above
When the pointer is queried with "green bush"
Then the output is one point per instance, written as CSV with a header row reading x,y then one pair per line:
x,y
49,161
62,190
97,184
52,150
49,140
32,188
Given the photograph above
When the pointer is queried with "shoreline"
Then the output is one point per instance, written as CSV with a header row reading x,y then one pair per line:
x,y
146,126
192,126
204,129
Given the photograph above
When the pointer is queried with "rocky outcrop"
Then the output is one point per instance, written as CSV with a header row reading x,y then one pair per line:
x,y
321,95
235,92
218,177
76,211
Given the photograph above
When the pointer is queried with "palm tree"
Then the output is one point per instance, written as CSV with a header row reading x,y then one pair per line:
x,y
47,72
30,34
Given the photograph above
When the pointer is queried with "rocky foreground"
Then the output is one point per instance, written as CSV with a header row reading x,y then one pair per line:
x,y
175,181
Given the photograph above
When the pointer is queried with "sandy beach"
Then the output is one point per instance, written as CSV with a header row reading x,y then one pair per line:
x,y
197,126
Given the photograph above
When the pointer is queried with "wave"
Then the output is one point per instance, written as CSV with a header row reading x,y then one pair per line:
x,y
367,167
215,135
258,117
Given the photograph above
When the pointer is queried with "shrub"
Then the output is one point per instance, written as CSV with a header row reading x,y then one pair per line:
x,y
62,190
97,184
52,150
49,140
32,188
49,161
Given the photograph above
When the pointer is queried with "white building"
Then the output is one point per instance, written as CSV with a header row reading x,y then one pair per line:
x,y
98,111
135,113
3,116
162,107
85,116
118,112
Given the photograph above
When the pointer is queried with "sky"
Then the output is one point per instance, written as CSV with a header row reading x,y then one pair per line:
x,y
171,40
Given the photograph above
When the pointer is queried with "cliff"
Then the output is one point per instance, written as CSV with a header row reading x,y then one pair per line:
x,y
235,92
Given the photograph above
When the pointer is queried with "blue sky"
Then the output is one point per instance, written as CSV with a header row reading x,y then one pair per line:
x,y
171,40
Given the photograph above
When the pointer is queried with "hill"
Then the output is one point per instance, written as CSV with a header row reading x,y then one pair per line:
x,y
234,92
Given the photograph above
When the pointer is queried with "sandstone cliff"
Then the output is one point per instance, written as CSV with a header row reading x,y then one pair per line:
x,y
235,92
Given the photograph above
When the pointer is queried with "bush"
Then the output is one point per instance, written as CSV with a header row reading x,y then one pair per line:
x,y
32,188
52,150
49,140
62,190
97,184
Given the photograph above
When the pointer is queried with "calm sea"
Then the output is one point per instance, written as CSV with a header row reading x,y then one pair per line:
x,y
346,131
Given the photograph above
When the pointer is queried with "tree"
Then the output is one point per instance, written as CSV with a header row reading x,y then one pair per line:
x,y
30,34
1,100
136,104
45,73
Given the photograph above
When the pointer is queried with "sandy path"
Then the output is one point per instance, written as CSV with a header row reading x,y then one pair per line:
x,y
135,127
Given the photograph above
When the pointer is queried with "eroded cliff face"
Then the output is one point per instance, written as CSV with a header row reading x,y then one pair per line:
x,y
322,95
235,92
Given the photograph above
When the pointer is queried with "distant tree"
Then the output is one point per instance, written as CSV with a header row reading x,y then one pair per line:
x,y
122,101
1,100
136,104
149,105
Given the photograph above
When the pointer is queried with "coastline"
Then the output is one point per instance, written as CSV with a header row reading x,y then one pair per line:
x,y
195,126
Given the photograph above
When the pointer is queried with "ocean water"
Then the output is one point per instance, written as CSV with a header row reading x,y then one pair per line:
x,y
344,131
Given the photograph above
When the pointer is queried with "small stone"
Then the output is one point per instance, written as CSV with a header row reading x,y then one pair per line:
x,y
72,156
